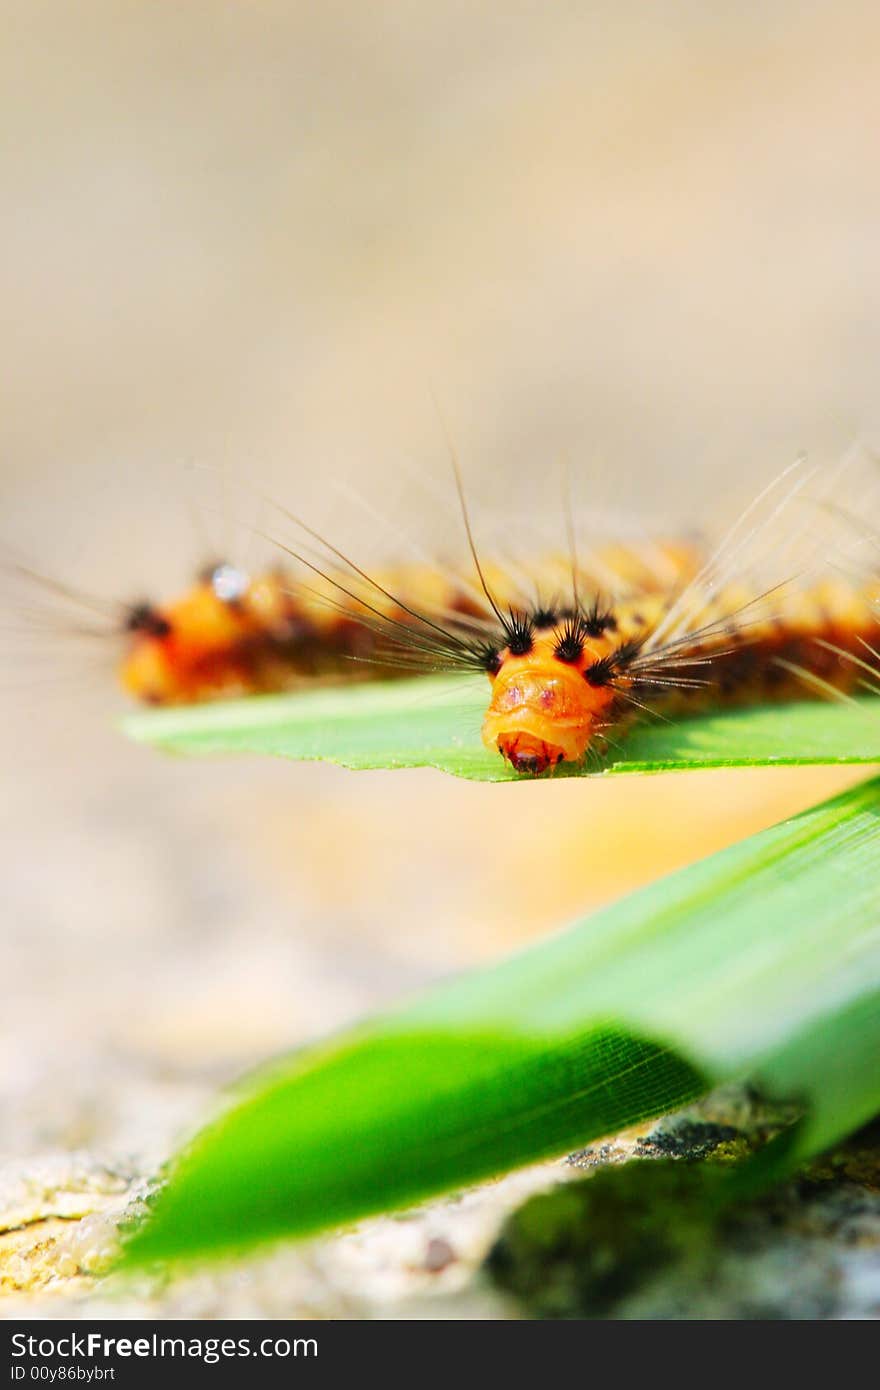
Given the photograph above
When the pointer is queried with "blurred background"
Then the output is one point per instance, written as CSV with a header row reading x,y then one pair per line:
x,y
262,240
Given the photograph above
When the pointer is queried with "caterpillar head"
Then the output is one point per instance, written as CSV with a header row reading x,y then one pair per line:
x,y
544,710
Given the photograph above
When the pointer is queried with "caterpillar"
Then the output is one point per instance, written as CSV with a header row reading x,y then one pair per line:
x,y
647,629
574,647
233,634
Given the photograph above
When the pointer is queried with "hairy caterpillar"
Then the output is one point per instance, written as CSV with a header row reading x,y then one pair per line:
x,y
650,628
574,646
232,633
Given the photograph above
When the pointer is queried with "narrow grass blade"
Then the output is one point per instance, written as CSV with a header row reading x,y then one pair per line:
x,y
762,961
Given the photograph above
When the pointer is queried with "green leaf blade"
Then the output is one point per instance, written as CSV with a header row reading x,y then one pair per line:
x,y
435,721
752,963
350,1152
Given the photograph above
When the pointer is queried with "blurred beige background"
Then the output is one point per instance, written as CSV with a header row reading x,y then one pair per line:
x,y
261,238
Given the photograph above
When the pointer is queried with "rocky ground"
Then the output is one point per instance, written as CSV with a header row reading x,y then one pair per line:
x,y
624,1229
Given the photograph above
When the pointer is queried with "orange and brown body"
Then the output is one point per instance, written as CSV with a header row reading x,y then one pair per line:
x,y
232,634
562,677
208,645
558,687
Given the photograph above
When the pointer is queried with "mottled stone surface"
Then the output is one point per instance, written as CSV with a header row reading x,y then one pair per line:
x,y
652,1233
637,1238
54,1262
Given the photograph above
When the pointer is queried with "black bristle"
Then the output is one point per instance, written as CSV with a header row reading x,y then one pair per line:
x,y
520,630
627,652
570,641
545,617
598,620
144,618
490,658
603,672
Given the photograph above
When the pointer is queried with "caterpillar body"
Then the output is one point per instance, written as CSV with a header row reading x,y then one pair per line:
x,y
234,634
654,628
574,645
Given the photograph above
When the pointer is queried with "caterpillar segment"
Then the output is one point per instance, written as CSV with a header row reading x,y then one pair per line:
x,y
232,634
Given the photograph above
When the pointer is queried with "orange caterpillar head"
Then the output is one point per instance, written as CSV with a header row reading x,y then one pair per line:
x,y
552,688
